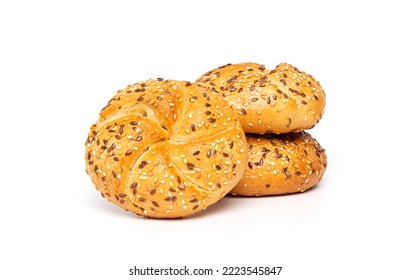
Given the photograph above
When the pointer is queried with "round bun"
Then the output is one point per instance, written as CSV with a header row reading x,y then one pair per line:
x,y
282,100
166,149
281,164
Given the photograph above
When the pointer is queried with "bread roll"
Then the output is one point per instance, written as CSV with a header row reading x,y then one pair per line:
x,y
166,149
279,101
281,164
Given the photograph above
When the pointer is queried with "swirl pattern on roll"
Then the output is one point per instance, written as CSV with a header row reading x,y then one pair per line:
x,y
166,149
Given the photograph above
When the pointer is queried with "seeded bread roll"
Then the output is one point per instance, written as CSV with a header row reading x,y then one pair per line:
x,y
281,164
166,149
282,100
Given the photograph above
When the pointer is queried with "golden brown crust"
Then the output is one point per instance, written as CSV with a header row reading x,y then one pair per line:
x,y
281,164
282,100
166,149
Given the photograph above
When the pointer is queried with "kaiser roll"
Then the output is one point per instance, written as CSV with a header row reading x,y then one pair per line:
x,y
166,149
278,101
281,164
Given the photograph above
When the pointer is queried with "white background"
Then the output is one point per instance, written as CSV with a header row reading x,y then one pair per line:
x,y
60,62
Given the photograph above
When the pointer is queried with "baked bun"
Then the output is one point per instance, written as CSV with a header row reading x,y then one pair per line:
x,y
166,149
281,164
282,100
